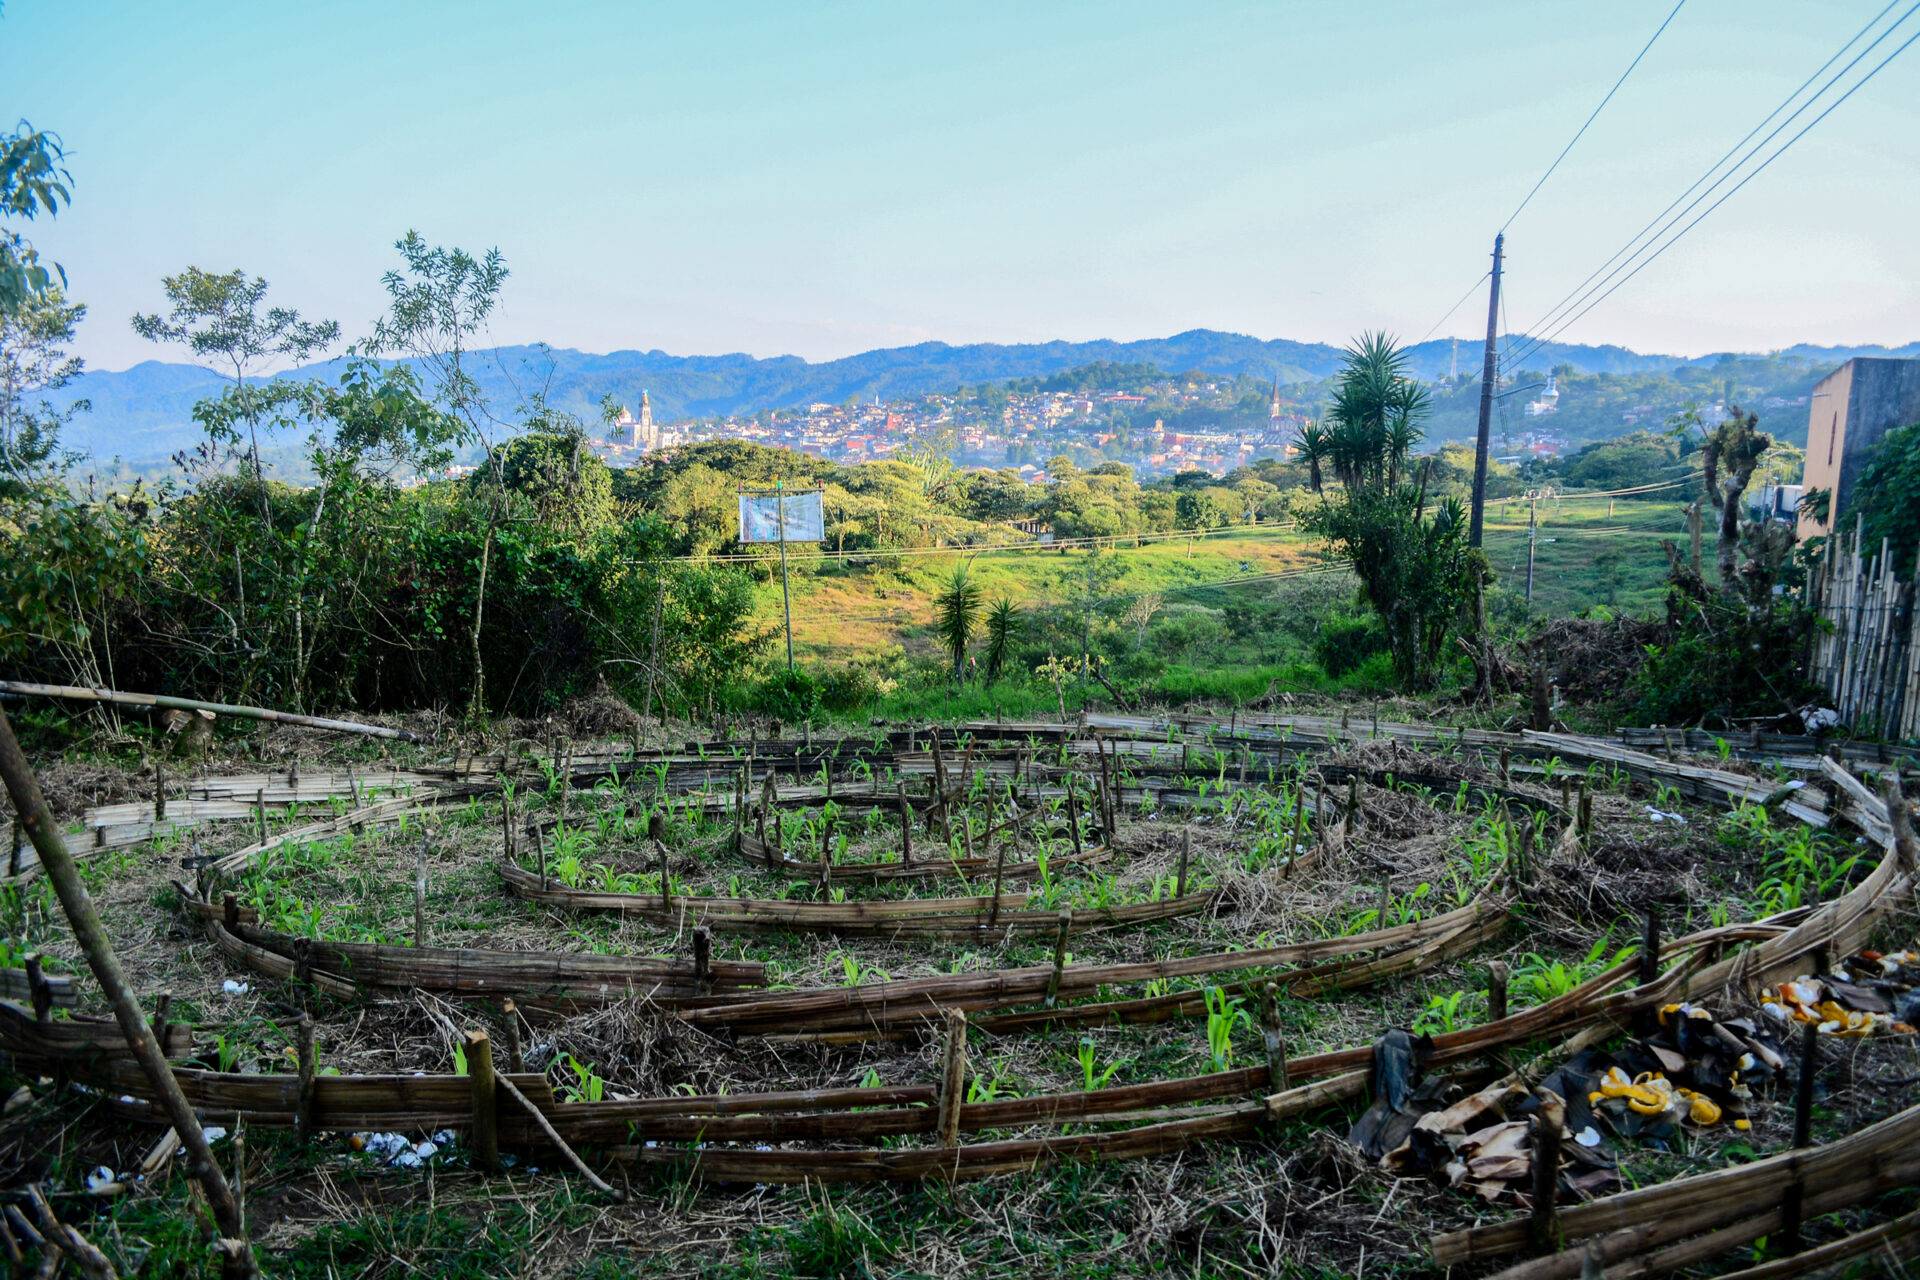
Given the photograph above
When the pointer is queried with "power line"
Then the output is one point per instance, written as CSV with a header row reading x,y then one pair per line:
x,y
1553,312
1540,330
1471,290
1784,147
1596,112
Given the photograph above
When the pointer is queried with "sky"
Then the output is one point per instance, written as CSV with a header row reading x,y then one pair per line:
x,y
824,178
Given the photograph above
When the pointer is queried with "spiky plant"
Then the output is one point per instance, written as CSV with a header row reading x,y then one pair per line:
x,y
1003,628
956,612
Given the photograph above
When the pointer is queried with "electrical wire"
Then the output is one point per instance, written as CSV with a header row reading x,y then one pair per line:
x,y
1596,113
1551,325
1471,290
1631,244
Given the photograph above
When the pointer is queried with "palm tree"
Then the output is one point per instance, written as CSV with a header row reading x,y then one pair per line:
x,y
1003,628
956,613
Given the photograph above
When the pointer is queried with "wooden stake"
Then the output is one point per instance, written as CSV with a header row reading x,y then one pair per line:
x,y
486,1106
1059,954
953,1079
1497,979
1543,1227
906,824
1073,813
1272,1038
260,811
1506,766
516,1056
666,879
1793,1197
307,1059
999,872
1353,804
159,785
420,895
703,959
38,992
1186,852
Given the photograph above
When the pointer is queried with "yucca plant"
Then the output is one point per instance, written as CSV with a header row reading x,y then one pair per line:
x,y
956,612
1003,628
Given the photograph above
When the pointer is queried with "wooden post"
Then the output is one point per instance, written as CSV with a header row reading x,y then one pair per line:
x,y
906,825
1543,1227
486,1105
1062,928
39,994
1073,815
260,811
230,911
1793,1199
159,785
1497,979
305,1056
1186,852
1584,813
999,872
506,828
1386,901
777,851
1506,766
703,960
516,1055
1353,804
666,879
420,895
953,1079
162,1006
540,845
1272,1038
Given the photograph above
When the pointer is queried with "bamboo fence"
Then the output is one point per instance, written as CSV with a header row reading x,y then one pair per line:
x,y
1869,658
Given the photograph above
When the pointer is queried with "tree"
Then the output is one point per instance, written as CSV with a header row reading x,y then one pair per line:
x,y
32,182
1198,510
1410,554
570,490
1004,625
1887,497
1731,452
437,305
219,317
33,361
956,610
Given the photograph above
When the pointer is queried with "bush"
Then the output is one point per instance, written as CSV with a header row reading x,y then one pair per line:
x,y
1345,644
791,695
847,689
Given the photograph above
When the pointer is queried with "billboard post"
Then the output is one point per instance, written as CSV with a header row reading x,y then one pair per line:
x,y
790,517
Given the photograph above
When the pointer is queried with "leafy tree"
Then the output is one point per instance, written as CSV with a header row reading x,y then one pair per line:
x,y
1887,497
1198,510
438,304
956,611
33,181
569,490
995,496
219,317
33,361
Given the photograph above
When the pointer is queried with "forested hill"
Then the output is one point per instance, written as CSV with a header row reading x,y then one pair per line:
x,y
144,413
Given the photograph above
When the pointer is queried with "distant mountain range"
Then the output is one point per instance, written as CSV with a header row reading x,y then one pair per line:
x,y
144,414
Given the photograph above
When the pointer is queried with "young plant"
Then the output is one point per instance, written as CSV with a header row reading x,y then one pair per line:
x,y
1224,1014
1092,1076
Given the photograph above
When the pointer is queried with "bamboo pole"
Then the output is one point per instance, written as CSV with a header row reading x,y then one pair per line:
x,y
72,693
24,790
953,1078
486,1108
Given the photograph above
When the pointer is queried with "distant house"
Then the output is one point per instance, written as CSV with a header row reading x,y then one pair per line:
x,y
1850,411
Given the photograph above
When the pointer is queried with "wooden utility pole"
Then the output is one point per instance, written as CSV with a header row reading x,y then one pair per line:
x,y
1533,531
31,806
1482,440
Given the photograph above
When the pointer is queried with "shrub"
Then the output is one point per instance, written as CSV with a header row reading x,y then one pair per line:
x,y
792,695
1345,644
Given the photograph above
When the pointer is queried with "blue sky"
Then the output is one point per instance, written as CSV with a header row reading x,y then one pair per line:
x,y
823,178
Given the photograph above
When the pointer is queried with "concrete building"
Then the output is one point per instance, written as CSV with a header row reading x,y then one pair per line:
x,y
1850,411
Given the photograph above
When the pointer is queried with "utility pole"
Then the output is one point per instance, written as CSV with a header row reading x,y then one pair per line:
x,y
786,601
1533,526
1486,400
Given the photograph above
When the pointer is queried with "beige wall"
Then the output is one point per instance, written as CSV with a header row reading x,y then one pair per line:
x,y
1826,441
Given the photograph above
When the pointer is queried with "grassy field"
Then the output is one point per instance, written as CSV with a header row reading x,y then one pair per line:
x,y
1589,552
